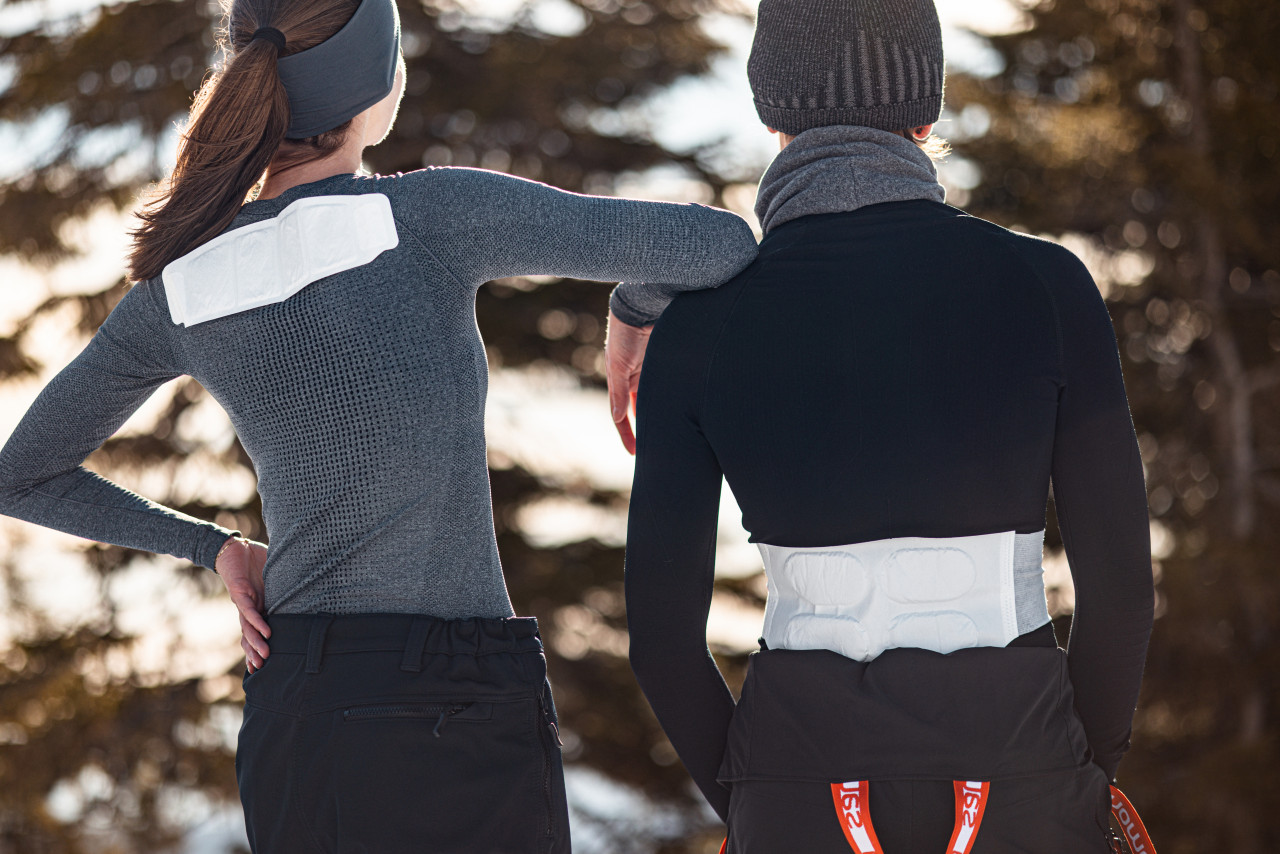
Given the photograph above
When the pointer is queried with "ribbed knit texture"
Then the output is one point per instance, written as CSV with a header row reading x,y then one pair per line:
x,y
877,63
361,398
843,168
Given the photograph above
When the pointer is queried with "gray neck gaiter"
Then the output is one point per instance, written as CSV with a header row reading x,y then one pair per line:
x,y
839,168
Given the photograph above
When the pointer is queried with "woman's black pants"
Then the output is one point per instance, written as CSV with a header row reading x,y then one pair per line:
x,y
396,733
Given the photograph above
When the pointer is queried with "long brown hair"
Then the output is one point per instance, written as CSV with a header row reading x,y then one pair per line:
x,y
236,130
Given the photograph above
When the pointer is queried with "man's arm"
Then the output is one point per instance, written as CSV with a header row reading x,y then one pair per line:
x,y
670,570
1101,504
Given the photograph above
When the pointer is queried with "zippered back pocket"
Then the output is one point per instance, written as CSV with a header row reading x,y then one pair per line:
x,y
440,713
476,769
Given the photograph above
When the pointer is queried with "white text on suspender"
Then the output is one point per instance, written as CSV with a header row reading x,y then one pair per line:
x,y
855,815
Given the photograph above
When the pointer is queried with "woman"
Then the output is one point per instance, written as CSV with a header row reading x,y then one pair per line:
x,y
403,706
889,390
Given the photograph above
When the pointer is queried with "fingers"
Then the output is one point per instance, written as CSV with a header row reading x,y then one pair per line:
x,y
621,401
618,393
626,434
247,605
617,377
624,356
240,568
250,635
252,642
619,397
255,618
252,660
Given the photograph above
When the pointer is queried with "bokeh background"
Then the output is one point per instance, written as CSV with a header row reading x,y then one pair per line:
x,y
1143,134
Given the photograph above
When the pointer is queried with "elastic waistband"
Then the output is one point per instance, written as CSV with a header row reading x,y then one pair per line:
x,y
318,635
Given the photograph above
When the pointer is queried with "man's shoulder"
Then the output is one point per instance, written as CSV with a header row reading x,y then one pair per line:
x,y
1045,254
685,336
1061,271
709,304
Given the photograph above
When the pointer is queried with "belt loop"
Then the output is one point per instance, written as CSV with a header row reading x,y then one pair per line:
x,y
315,641
414,646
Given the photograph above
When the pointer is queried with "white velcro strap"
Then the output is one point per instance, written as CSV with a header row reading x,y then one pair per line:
x,y
270,261
940,594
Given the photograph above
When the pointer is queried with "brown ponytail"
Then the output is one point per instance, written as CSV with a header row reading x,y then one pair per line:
x,y
236,130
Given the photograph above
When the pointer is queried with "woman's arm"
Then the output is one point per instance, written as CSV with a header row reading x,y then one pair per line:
x,y
1101,504
487,225
42,479
671,549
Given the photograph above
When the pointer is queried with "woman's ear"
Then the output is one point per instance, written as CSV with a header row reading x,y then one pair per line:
x,y
922,133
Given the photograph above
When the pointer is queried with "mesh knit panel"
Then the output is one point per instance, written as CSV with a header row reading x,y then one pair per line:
x,y
365,421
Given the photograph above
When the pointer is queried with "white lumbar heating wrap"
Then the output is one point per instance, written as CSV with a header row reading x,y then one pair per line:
x,y
270,261
941,594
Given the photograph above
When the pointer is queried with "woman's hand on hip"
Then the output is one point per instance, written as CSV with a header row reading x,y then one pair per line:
x,y
624,348
239,564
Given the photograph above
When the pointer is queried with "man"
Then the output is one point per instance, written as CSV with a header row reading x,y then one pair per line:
x,y
889,389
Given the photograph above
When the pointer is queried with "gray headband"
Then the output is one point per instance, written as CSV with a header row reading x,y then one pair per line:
x,y
345,74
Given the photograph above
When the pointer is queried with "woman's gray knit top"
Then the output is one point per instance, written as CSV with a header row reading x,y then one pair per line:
x,y
360,399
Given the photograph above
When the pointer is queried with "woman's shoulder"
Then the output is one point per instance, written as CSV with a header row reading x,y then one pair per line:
x,y
140,326
444,184
143,304
437,202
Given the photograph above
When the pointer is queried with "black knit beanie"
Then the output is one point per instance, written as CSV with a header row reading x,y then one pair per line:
x,y
876,63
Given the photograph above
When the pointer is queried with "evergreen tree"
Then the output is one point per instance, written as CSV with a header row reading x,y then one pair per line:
x,y
94,98
1152,127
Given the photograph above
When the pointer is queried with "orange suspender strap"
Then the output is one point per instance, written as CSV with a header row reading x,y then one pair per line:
x,y
971,806
1134,831
855,816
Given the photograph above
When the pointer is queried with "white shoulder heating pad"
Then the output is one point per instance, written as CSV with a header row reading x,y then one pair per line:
x,y
270,261
941,594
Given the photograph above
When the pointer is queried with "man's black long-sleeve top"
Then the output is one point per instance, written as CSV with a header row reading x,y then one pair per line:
x,y
903,370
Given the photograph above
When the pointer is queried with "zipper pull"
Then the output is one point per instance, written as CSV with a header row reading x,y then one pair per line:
x,y
444,716
546,716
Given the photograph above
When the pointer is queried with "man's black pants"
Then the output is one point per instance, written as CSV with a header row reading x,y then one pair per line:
x,y
910,723
393,732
